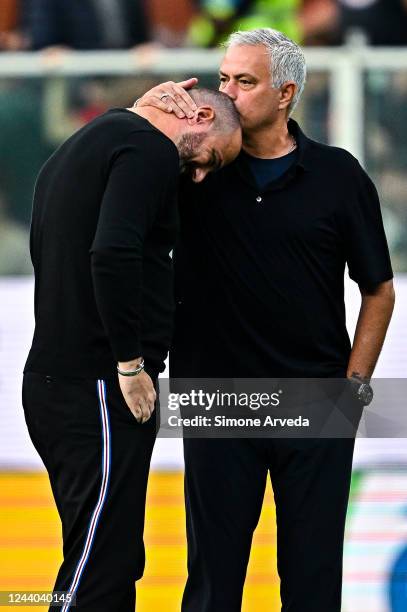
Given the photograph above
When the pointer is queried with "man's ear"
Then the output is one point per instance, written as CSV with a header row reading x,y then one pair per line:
x,y
287,93
203,115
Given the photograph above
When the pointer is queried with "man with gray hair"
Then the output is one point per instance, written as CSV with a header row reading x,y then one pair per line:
x,y
260,294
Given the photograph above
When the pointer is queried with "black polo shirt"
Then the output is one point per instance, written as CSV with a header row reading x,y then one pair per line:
x,y
260,273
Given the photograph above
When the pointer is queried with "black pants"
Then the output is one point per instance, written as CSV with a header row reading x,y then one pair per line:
x,y
225,480
98,459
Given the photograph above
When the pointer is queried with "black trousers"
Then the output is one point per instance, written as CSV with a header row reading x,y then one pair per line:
x,y
225,481
98,459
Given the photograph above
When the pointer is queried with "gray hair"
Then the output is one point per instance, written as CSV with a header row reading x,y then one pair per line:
x,y
287,58
227,118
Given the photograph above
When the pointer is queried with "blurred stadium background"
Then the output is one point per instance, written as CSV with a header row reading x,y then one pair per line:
x,y
63,62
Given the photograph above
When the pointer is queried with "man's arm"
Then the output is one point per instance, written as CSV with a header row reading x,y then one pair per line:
x,y
131,199
368,259
374,318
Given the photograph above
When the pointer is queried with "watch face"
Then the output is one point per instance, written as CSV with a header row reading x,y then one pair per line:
x,y
365,394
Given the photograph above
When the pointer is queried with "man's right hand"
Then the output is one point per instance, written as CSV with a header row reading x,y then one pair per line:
x,y
177,101
139,394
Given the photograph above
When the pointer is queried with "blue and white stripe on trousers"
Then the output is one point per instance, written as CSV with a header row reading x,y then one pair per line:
x,y
106,452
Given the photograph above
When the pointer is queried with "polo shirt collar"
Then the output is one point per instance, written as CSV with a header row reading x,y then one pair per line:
x,y
301,163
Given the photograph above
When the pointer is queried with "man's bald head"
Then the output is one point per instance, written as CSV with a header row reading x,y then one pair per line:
x,y
226,116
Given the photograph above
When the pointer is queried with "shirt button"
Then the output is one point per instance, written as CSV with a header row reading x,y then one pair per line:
x,y
259,199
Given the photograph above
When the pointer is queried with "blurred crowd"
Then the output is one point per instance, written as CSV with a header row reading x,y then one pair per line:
x,y
37,114
126,24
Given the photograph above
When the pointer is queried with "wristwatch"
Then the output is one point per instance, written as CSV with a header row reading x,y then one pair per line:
x,y
362,389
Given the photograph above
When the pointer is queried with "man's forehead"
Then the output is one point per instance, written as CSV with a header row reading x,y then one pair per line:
x,y
243,59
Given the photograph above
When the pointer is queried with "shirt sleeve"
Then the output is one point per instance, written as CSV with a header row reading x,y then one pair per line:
x,y
136,188
366,249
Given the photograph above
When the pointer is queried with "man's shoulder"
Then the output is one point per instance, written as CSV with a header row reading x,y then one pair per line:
x,y
338,169
127,121
128,132
331,157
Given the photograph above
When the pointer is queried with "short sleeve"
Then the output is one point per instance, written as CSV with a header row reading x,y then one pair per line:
x,y
366,249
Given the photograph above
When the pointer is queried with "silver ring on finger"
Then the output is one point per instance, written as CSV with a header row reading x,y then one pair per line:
x,y
165,95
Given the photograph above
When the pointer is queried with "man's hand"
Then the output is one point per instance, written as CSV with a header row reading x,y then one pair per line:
x,y
139,394
171,97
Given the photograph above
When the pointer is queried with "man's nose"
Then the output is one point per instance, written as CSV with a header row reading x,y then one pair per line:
x,y
230,90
